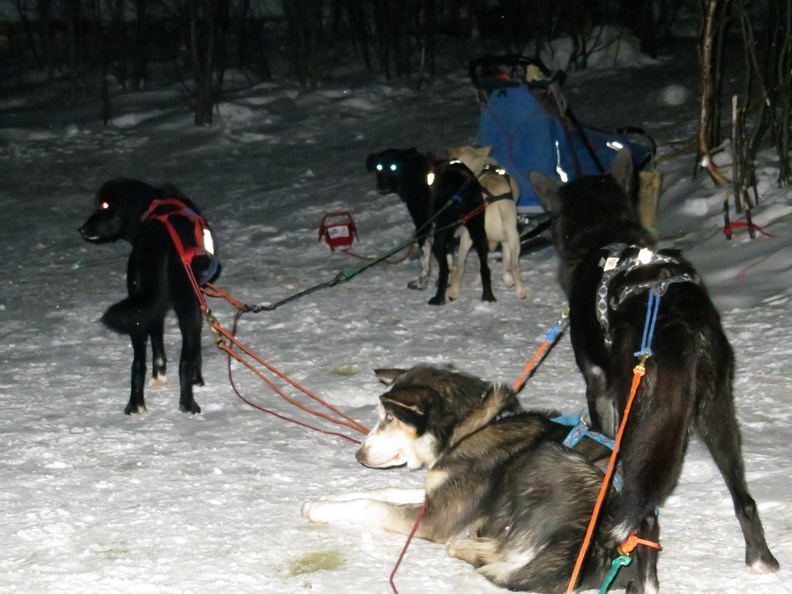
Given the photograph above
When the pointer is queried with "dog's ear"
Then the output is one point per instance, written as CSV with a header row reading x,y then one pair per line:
x,y
413,398
485,150
623,171
546,190
371,161
388,376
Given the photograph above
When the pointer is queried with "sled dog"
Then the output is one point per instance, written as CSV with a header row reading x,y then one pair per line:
x,y
154,220
501,193
609,268
501,492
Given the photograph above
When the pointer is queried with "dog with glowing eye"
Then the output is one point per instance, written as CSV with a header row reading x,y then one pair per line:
x,y
172,253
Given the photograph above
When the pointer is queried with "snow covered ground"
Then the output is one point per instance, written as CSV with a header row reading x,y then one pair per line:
x,y
166,503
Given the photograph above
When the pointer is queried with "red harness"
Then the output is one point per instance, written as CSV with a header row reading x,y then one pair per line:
x,y
162,210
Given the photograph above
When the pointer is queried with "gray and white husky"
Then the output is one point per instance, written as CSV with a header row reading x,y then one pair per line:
x,y
501,492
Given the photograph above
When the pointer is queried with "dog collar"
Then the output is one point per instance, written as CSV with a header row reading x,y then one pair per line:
x,y
616,263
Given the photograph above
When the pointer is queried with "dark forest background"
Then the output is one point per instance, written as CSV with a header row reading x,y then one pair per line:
x,y
89,43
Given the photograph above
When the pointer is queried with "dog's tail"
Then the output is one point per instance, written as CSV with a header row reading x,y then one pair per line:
x,y
140,311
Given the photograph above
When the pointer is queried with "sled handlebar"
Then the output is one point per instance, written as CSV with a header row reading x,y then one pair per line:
x,y
496,72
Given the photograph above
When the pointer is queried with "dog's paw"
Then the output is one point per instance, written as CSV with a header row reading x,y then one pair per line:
x,y
318,512
764,562
418,285
522,293
133,409
190,407
158,382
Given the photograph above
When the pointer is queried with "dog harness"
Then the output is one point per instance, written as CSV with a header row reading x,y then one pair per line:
x,y
199,244
616,263
489,168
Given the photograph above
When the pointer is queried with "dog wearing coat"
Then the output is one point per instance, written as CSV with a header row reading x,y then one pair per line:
x,y
611,272
168,234
501,491
501,193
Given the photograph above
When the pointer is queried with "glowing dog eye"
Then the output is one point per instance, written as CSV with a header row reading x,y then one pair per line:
x,y
104,205
393,167
379,166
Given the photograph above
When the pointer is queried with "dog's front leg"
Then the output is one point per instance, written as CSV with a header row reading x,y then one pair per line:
x,y
364,513
426,266
389,494
441,247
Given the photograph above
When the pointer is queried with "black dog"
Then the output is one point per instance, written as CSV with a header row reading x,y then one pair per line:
x,y
404,172
608,268
457,199
167,233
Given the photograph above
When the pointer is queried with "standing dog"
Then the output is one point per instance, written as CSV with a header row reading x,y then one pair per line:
x,y
403,172
167,232
457,200
608,266
501,492
501,193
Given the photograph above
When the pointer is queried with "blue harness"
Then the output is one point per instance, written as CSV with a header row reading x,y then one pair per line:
x,y
580,430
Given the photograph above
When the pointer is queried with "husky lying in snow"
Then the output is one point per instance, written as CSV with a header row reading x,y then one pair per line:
x,y
501,192
501,492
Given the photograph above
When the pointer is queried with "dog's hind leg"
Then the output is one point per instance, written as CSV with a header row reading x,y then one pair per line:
x,y
479,238
510,250
159,360
189,315
136,401
644,565
459,268
717,427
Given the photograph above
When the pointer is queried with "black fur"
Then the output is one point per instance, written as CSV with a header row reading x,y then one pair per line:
x,y
688,381
456,193
156,282
404,172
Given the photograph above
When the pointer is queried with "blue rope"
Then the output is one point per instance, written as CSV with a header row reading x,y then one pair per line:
x,y
652,308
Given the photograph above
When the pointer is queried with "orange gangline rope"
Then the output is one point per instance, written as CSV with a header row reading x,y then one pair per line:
x,y
638,372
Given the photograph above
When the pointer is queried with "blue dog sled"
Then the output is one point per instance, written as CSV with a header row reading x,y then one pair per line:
x,y
530,126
